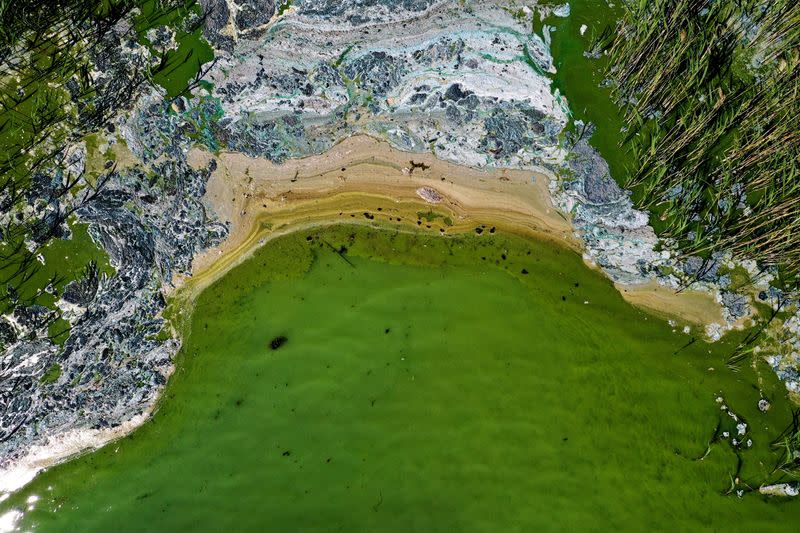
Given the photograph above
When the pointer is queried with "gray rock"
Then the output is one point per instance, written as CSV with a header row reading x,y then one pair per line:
x,y
377,72
736,304
358,11
217,17
703,269
601,188
254,13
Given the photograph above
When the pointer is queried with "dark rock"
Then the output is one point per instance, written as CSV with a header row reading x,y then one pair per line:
x,y
277,342
82,291
7,333
329,9
598,185
254,13
456,92
34,316
418,98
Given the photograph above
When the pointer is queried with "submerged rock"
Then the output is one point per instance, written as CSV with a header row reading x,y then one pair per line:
x,y
277,342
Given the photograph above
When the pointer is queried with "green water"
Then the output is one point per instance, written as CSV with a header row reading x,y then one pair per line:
x,y
580,78
426,384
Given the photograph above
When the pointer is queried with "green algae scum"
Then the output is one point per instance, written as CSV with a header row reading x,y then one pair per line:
x,y
357,379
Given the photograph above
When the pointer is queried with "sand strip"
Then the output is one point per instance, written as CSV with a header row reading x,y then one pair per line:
x,y
261,200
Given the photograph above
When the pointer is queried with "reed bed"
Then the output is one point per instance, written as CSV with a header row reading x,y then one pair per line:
x,y
710,93
788,444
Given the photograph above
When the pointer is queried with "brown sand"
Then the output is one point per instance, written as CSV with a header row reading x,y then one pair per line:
x,y
262,200
691,306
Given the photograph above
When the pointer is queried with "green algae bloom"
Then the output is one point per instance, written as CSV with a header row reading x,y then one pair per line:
x,y
472,383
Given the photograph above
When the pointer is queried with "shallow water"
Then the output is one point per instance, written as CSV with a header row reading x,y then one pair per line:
x,y
426,383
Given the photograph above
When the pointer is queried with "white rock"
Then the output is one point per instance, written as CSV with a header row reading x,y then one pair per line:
x,y
779,489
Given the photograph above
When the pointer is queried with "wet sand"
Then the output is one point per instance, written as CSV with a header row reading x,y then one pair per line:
x,y
366,181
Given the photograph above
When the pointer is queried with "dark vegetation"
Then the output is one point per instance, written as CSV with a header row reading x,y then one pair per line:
x,y
788,442
711,98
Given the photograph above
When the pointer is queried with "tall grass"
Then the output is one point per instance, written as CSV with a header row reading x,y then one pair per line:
x,y
711,98
788,443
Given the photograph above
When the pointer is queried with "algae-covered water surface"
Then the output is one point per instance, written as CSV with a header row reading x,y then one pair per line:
x,y
356,379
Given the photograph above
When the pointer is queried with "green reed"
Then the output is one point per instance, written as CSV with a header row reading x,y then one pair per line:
x,y
710,96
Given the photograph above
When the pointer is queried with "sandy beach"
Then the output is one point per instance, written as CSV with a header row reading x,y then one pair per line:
x,y
366,181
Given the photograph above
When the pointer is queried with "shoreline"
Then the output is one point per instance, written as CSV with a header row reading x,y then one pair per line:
x,y
362,181
262,200
60,449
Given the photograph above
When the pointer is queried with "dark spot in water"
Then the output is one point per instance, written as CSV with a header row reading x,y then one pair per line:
x,y
565,439
484,258
277,342
387,330
352,215
328,460
503,256
563,298
478,230
524,271
492,230
239,402
577,284
287,453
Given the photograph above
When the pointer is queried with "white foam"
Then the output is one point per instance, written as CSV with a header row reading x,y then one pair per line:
x,y
8,521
